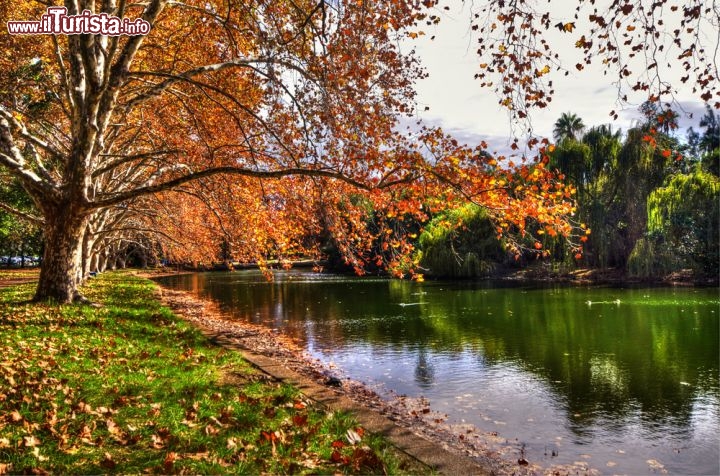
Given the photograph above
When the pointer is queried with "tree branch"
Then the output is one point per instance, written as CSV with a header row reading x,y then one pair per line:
x,y
268,174
21,214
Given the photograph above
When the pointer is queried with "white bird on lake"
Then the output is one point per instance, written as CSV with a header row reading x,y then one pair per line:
x,y
590,303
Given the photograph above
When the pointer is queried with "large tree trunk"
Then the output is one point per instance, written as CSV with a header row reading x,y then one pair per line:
x,y
102,260
62,258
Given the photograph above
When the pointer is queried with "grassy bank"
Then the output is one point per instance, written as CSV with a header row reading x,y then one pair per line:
x,y
127,387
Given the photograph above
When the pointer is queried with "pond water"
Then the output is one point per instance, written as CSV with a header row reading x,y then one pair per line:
x,y
625,380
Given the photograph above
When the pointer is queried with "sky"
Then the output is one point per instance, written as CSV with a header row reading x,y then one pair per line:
x,y
472,113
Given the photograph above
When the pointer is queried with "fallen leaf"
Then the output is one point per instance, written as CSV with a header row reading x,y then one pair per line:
x,y
353,437
156,442
112,427
30,441
300,420
108,462
169,462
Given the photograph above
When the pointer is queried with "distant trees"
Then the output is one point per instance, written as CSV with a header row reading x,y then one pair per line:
x,y
682,229
20,234
710,140
651,204
568,126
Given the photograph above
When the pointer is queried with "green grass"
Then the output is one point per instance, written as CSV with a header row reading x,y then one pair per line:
x,y
130,388
19,273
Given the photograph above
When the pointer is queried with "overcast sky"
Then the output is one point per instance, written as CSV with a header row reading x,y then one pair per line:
x,y
471,113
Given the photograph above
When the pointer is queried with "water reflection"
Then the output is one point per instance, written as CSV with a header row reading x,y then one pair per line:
x,y
635,371
424,370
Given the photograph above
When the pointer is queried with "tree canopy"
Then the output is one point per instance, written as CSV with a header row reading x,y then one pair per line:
x,y
568,126
259,125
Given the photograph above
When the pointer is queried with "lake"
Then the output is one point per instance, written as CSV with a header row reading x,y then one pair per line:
x,y
625,380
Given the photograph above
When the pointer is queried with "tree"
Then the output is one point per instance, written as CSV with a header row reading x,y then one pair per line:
x,y
460,244
573,158
265,92
683,227
568,126
308,90
710,139
604,146
92,124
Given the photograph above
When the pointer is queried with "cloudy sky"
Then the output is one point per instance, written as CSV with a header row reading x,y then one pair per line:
x,y
461,106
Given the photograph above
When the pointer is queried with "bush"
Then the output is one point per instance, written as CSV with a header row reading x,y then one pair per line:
x,y
461,243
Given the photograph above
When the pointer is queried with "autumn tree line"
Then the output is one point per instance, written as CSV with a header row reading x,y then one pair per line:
x,y
649,200
255,131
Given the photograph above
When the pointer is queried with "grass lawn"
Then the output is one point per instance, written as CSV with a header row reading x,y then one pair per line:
x,y
128,387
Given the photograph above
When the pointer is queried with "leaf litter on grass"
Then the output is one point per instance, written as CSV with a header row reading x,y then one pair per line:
x,y
128,387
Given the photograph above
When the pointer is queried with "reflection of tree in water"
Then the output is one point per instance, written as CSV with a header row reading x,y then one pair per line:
x,y
606,362
424,370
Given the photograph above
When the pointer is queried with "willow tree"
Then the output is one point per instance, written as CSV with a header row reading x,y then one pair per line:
x,y
682,230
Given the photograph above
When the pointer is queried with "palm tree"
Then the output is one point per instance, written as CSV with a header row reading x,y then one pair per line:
x,y
568,127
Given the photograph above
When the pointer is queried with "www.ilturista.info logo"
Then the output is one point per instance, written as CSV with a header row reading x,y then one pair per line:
x,y
57,22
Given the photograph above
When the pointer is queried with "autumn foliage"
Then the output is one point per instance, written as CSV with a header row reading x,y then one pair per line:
x,y
262,127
